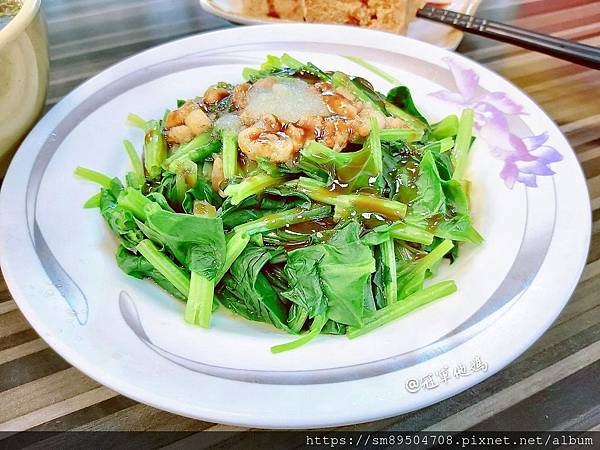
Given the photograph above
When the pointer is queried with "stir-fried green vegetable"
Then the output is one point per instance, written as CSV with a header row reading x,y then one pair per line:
x,y
335,239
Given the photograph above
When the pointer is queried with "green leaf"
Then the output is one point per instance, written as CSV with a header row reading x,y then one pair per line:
x,y
458,226
197,242
247,290
139,267
354,169
400,96
202,191
443,162
120,221
361,89
332,276
430,198
160,199
412,274
302,271
93,201
332,327
292,197
447,127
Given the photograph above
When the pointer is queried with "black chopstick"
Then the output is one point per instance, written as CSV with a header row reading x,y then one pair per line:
x,y
575,52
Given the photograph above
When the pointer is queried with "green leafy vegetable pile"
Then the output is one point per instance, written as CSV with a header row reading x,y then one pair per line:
x,y
332,242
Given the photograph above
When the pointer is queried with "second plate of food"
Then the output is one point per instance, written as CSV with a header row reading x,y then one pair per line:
x,y
450,209
399,18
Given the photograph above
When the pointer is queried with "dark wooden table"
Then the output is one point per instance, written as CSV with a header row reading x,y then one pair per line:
x,y
553,386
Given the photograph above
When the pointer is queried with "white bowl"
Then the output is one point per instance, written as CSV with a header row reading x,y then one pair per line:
x,y
23,76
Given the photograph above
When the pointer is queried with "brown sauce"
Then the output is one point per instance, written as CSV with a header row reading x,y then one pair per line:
x,y
203,208
293,245
372,220
434,221
308,77
310,131
312,227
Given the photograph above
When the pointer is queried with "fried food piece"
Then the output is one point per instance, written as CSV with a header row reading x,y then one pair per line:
x,y
214,94
185,123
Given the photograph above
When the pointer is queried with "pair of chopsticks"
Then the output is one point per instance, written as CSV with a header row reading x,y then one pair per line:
x,y
582,54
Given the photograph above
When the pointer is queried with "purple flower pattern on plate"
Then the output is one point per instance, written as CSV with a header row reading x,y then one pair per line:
x,y
525,158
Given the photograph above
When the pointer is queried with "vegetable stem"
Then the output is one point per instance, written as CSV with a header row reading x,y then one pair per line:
x,y
391,280
251,186
410,233
235,246
136,121
321,154
198,308
192,148
400,134
135,202
180,188
136,178
155,149
315,329
394,111
93,176
297,322
134,158
186,176
463,143
376,70
375,145
429,260
319,192
282,219
442,146
230,154
401,308
164,266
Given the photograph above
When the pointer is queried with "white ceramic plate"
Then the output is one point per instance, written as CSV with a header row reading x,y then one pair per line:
x,y
529,200
421,29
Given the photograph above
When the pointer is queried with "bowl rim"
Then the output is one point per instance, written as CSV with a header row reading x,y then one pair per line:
x,y
20,22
